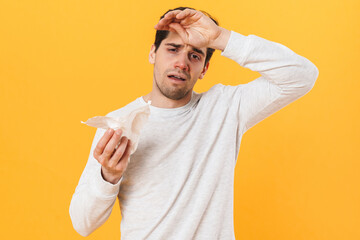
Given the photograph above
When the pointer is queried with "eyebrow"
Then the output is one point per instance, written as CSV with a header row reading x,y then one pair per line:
x,y
180,46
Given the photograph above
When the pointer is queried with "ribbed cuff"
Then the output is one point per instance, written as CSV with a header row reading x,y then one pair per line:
x,y
103,188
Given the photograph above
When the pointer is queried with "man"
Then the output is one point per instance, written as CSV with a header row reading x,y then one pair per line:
x,y
179,183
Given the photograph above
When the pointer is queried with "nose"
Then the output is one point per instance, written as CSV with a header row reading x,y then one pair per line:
x,y
182,62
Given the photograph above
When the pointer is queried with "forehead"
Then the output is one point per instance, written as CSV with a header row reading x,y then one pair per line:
x,y
173,37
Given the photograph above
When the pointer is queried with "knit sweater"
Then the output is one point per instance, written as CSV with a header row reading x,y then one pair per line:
x,y
179,182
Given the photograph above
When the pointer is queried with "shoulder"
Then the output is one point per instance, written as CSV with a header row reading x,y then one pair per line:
x,y
127,108
225,91
214,90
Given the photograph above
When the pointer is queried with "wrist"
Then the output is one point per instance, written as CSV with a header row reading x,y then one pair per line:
x,y
222,39
108,177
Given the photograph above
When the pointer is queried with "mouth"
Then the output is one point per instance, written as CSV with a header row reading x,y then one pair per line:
x,y
177,77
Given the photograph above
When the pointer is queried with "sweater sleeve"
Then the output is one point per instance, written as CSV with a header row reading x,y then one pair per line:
x,y
285,77
94,198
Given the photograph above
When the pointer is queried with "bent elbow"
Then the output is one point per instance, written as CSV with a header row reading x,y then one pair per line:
x,y
78,224
301,80
82,232
308,77
312,75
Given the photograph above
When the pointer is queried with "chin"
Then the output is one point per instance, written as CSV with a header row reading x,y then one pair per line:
x,y
177,95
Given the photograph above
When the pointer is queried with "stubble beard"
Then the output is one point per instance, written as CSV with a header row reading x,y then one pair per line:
x,y
174,94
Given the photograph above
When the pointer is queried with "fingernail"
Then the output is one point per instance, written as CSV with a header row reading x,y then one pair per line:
x,y
118,131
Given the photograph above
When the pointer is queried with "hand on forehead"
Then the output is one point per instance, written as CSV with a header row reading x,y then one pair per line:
x,y
184,17
194,27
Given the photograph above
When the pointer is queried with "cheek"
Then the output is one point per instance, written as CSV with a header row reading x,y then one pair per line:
x,y
198,72
159,72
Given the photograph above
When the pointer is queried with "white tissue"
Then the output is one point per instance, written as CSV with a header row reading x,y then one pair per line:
x,y
130,124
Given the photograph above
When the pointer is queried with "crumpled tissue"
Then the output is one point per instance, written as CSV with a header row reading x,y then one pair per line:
x,y
130,124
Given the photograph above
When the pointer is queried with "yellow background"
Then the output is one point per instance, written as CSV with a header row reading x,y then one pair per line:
x,y
63,61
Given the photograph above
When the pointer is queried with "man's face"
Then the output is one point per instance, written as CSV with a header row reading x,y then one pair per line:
x,y
177,67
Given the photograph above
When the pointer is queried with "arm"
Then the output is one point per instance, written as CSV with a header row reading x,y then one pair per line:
x,y
286,77
94,196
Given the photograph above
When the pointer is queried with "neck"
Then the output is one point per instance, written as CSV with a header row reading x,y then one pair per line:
x,y
161,101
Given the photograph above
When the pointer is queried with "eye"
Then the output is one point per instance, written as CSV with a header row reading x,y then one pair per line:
x,y
195,56
172,49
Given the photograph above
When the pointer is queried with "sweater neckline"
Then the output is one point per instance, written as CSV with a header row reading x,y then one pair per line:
x,y
169,112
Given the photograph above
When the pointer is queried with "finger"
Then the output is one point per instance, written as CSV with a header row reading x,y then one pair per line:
x,y
172,14
186,13
185,17
102,143
118,153
180,30
168,18
122,164
161,27
110,146
163,24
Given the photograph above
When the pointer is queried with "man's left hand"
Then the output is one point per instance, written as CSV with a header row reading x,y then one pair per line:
x,y
195,29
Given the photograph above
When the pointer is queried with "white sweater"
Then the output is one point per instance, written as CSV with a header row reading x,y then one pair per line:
x,y
179,183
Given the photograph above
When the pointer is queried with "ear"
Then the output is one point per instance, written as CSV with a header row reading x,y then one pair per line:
x,y
152,54
204,71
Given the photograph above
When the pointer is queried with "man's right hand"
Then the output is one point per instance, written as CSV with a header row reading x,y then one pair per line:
x,y
113,160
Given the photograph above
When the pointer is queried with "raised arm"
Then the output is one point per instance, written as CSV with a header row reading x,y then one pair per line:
x,y
286,76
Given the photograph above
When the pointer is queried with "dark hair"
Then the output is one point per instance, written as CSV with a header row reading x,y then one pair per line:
x,y
162,34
